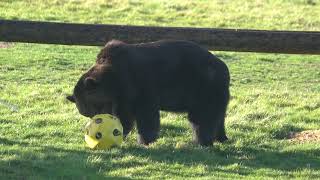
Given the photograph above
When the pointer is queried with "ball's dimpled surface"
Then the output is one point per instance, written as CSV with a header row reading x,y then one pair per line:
x,y
103,132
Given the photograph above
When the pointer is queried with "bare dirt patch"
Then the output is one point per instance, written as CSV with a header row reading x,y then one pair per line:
x,y
304,136
5,44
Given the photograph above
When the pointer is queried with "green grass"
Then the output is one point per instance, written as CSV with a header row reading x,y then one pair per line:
x,y
272,95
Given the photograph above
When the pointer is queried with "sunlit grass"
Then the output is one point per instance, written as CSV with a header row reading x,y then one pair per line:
x,y
248,14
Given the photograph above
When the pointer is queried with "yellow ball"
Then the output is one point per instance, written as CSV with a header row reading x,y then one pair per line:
x,y
103,131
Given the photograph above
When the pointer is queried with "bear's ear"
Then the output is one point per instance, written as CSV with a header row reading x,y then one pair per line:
x,y
112,51
90,83
71,99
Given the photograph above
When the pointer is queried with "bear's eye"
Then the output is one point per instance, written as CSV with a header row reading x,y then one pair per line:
x,y
98,121
102,59
116,132
98,135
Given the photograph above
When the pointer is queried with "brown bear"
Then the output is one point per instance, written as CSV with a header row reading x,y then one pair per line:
x,y
135,81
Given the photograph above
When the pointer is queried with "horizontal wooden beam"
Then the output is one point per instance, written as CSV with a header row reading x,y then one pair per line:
x,y
292,42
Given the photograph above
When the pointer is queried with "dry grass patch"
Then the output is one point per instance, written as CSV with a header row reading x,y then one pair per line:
x,y
304,136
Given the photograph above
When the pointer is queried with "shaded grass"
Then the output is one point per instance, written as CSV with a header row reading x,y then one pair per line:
x,y
272,96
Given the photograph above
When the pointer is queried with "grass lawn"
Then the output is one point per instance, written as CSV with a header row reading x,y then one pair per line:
x,y
273,96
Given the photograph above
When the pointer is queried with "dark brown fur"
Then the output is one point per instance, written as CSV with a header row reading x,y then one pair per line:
x,y
136,81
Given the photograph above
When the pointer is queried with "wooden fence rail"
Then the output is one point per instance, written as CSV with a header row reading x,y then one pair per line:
x,y
292,42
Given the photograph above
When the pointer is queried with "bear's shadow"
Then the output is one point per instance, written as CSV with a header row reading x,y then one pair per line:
x,y
246,159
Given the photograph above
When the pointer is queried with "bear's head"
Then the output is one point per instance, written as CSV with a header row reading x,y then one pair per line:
x,y
96,90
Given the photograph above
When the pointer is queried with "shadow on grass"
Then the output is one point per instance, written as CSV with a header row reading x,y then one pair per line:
x,y
172,131
36,161
249,159
41,162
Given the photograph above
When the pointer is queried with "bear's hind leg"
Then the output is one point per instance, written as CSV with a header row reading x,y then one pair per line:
x,y
208,123
203,127
219,109
220,133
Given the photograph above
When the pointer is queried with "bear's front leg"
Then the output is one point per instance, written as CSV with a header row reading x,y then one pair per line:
x,y
122,111
148,122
